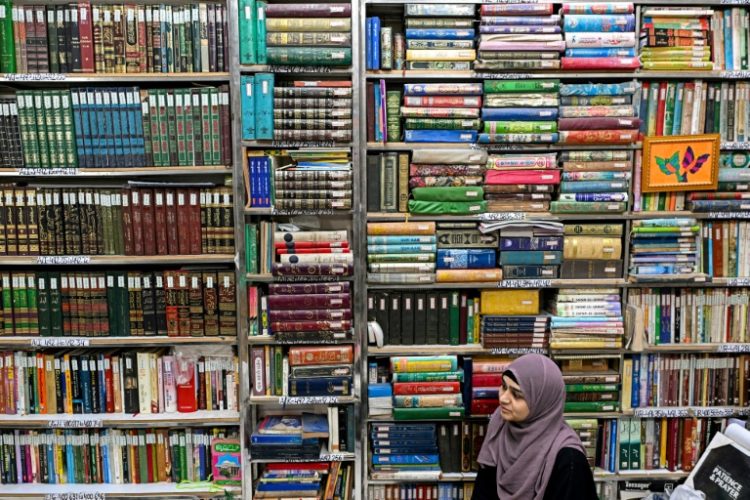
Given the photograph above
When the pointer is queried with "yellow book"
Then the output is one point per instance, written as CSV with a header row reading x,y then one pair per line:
x,y
400,228
308,24
59,457
627,384
404,364
592,247
510,302
209,389
677,65
468,275
68,384
663,445
441,55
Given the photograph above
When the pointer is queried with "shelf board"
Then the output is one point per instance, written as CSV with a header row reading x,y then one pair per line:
x,y
273,144
492,75
324,457
96,420
429,350
145,490
302,400
268,278
521,216
112,173
509,284
717,3
290,213
427,476
116,260
297,70
729,347
690,411
145,341
31,78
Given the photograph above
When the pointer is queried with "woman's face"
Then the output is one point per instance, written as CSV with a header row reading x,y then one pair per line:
x,y
513,406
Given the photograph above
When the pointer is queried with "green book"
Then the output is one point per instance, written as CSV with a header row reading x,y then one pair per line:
x,y
450,376
531,127
321,56
393,115
55,305
251,248
278,369
215,126
42,101
635,443
248,27
591,387
7,40
260,33
7,297
179,100
183,457
593,406
142,458
33,309
669,108
624,429
42,304
446,413
454,312
442,124
71,156
20,304
52,105
172,128
520,86
195,108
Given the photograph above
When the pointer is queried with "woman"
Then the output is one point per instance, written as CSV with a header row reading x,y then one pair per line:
x,y
529,452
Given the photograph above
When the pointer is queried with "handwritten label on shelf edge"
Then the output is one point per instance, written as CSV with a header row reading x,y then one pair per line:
x,y
502,216
734,146
735,2
524,283
499,351
733,348
87,423
305,69
728,215
308,279
510,1
308,400
93,495
504,76
292,212
305,144
47,172
686,412
63,259
34,77
738,281
736,74
60,342
312,341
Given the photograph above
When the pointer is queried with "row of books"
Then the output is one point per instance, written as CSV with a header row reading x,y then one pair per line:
x,y
117,127
125,382
587,318
118,303
295,33
113,456
404,491
332,480
302,371
129,221
302,179
87,37
689,380
691,316
296,110
300,437
310,253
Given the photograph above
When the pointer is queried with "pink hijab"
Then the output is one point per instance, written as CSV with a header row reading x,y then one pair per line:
x,y
525,452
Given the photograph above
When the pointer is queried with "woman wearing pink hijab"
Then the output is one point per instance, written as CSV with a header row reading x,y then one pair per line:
x,y
529,452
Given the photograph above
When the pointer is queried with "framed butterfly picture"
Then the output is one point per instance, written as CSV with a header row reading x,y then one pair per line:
x,y
680,163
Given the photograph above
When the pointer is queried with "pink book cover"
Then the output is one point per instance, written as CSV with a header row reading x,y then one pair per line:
x,y
226,461
522,177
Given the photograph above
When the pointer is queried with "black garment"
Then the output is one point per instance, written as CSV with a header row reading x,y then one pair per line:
x,y
571,479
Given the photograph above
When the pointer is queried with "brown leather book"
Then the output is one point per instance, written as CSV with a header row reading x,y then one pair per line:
x,y
136,213
195,302
170,201
194,221
127,224
210,304
160,222
227,304
149,226
183,221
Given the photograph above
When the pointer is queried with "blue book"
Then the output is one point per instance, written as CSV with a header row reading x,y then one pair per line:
x,y
289,486
266,180
582,23
375,43
135,123
597,89
260,32
485,393
519,114
596,176
314,423
401,248
601,52
439,34
368,43
70,455
593,186
379,390
531,243
400,240
264,83
248,14
635,393
127,133
462,136
464,258
276,439
613,444
728,49
531,257
677,115
78,128
85,377
118,147
322,386
247,91
412,459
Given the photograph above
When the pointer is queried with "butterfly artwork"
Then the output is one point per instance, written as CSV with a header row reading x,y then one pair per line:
x,y
689,165
680,163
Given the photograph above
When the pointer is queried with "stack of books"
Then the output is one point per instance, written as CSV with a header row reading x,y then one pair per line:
x,y
307,34
531,249
587,431
441,112
674,38
298,479
404,447
522,111
321,370
379,400
301,98
724,249
587,319
309,253
401,252
460,257
514,332
599,35
665,247
592,251
306,179
520,182
307,312
426,399
442,46
594,181
592,119
465,253
289,437
484,377
730,39
594,383
519,37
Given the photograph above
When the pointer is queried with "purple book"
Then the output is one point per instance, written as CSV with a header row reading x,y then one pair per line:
x,y
307,288
599,123
309,10
515,30
310,270
316,301
309,315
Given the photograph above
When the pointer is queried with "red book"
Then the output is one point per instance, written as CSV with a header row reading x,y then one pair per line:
x,y
660,108
109,383
486,379
186,375
147,209
600,63
718,254
406,388
321,355
150,457
603,137
86,37
313,244
293,251
311,466
127,223
183,222
484,406
194,219
170,202
160,222
136,214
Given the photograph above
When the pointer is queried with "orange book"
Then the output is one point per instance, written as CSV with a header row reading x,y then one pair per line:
x,y
321,355
400,228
